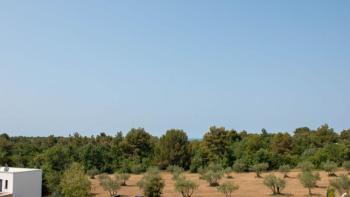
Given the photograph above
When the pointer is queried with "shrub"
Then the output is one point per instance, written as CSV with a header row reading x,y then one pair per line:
x,y
112,185
213,174
74,183
123,177
330,167
185,187
341,184
346,166
137,169
152,183
213,177
276,184
227,188
309,179
228,172
176,171
306,166
259,168
284,169
330,192
239,166
92,173
201,172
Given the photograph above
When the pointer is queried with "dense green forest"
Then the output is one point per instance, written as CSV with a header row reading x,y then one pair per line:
x,y
138,150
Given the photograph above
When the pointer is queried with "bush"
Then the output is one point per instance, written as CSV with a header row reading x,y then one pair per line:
x,y
259,168
74,183
239,166
185,187
309,179
276,184
213,174
227,188
112,185
341,184
123,177
330,167
306,166
284,169
175,171
228,172
137,169
92,173
201,172
346,166
213,177
152,183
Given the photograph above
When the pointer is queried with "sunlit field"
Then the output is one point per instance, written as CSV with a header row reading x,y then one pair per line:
x,y
249,185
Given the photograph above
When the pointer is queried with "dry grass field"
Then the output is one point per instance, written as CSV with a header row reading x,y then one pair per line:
x,y
249,186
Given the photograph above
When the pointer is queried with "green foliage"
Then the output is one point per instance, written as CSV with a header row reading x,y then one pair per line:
x,y
152,183
346,166
92,173
330,192
341,184
309,179
228,172
330,167
110,184
213,173
137,169
275,183
175,171
139,150
259,168
74,183
284,169
306,166
185,187
123,177
173,149
228,188
239,166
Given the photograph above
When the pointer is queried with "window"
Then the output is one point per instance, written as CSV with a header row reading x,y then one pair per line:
x,y
6,184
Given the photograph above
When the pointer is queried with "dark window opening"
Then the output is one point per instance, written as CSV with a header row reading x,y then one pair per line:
x,y
6,184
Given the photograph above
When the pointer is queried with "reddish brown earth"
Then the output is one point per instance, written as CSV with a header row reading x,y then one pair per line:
x,y
249,186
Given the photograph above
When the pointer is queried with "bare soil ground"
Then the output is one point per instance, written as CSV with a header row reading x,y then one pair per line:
x,y
249,186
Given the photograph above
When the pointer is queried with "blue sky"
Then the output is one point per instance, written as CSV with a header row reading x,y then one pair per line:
x,y
107,66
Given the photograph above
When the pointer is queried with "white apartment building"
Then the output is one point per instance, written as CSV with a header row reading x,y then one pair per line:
x,y
20,182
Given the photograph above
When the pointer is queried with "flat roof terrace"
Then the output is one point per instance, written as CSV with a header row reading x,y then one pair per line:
x,y
17,170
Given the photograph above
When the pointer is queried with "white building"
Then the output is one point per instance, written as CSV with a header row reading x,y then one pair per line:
x,y
20,182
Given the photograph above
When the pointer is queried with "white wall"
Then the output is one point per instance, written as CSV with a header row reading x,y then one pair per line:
x,y
27,184
7,176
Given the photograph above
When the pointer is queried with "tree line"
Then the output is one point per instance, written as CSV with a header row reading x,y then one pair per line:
x,y
138,150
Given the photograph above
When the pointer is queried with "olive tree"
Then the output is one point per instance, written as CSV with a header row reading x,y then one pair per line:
x,y
227,188
228,172
259,168
309,179
306,166
330,167
341,184
213,174
185,187
275,183
152,183
110,184
123,177
284,169
346,166
74,183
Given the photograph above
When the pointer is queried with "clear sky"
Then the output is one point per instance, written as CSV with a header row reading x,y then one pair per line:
x,y
108,66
